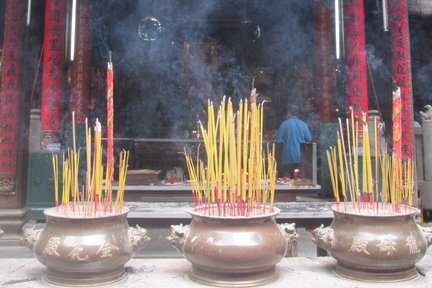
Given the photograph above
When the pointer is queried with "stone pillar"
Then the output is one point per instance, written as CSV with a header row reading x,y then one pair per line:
x,y
35,131
427,149
425,184
327,139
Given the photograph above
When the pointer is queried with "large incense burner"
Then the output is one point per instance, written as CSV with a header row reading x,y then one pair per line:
x,y
233,239
234,251
374,245
374,235
86,240
85,251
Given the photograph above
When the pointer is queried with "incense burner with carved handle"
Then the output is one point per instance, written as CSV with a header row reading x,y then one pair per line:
x,y
85,251
237,251
374,246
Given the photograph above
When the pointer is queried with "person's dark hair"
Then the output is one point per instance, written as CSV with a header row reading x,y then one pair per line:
x,y
292,109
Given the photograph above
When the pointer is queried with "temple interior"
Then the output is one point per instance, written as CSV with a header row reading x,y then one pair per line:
x,y
170,59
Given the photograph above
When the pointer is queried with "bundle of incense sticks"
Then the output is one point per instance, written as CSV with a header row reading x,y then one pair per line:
x,y
389,180
239,175
94,198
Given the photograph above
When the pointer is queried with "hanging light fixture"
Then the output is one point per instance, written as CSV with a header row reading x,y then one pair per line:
x,y
28,12
385,15
73,26
337,29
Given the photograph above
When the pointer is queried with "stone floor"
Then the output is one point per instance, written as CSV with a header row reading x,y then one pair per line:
x,y
20,269
304,272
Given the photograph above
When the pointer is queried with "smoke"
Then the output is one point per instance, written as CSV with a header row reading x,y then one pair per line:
x,y
421,55
171,56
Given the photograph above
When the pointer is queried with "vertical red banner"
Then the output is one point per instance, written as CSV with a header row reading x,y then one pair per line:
x,y
53,66
80,76
398,16
11,91
356,56
324,63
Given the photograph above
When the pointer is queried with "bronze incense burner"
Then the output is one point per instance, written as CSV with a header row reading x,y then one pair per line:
x,y
85,251
237,251
374,244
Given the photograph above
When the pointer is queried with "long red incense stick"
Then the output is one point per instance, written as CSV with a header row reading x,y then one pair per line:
x,y
110,126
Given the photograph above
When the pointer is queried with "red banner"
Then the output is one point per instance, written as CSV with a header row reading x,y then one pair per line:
x,y
402,140
53,66
80,77
11,90
324,65
356,56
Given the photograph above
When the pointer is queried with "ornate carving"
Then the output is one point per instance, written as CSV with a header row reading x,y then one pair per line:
x,y
411,243
387,245
427,233
359,245
138,237
30,236
178,236
51,247
107,249
323,237
7,186
75,253
426,115
291,236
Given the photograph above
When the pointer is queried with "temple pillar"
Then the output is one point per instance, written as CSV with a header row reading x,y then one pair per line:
x,y
403,144
80,75
401,63
80,72
324,76
12,146
53,71
324,61
356,86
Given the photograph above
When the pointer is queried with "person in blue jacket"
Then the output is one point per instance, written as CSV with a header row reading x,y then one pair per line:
x,y
292,132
